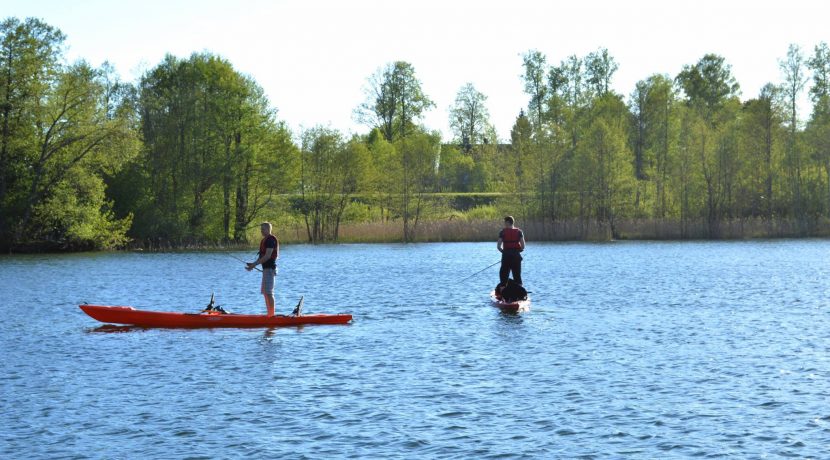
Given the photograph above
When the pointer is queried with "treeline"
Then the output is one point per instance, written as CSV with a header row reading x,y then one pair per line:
x,y
193,152
683,149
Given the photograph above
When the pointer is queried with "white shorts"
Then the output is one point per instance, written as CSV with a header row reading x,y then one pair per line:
x,y
268,277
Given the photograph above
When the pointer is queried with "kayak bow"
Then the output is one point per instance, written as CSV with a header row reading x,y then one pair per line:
x,y
147,318
511,307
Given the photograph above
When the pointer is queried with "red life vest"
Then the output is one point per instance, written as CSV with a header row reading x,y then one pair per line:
x,y
262,248
511,237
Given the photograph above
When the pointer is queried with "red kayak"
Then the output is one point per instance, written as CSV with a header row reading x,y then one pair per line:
x,y
146,318
510,307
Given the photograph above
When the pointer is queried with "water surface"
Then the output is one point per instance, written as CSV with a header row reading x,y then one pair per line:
x,y
638,349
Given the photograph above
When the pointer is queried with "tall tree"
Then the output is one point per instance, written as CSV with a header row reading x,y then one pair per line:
x,y
30,55
761,122
332,170
60,136
819,64
469,117
535,70
708,84
207,130
712,94
395,100
572,100
653,137
795,79
604,160
818,128
419,155
600,67
514,163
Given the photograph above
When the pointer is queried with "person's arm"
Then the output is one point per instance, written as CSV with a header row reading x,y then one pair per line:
x,y
499,245
268,251
265,257
250,266
522,243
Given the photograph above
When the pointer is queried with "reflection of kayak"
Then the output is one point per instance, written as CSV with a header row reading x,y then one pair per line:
x,y
146,318
516,306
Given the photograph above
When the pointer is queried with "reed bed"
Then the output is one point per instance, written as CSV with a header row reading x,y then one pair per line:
x,y
450,230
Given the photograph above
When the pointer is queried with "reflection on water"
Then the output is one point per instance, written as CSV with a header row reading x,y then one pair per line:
x,y
112,328
269,334
645,350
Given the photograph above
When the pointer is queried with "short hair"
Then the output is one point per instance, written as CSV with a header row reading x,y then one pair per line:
x,y
266,224
509,219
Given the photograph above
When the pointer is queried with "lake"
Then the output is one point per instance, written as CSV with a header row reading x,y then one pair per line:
x,y
630,349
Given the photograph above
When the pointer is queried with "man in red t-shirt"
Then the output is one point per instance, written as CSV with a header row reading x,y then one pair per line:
x,y
269,251
511,243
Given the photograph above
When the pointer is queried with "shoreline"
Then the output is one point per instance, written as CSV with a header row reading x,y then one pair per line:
x,y
458,230
472,231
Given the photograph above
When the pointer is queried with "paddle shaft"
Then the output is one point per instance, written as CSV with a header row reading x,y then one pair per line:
x,y
237,258
476,273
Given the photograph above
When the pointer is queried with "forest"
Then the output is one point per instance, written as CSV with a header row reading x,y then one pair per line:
x,y
194,154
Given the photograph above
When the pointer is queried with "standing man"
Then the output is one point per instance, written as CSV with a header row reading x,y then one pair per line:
x,y
269,251
511,243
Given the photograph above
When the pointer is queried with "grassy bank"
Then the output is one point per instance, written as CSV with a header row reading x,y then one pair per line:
x,y
460,229
453,229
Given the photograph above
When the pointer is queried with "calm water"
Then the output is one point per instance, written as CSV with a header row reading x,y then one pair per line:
x,y
645,350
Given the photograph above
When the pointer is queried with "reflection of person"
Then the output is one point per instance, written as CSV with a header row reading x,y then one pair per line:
x,y
269,251
511,243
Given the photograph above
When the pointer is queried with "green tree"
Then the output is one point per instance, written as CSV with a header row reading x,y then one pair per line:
x,y
795,79
692,144
331,172
817,132
383,173
712,94
61,134
600,67
418,156
708,85
761,123
514,164
653,139
213,150
604,164
30,57
267,162
535,69
819,64
395,100
571,101
469,118
456,170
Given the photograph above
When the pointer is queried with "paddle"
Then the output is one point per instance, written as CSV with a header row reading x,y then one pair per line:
x,y
476,273
237,258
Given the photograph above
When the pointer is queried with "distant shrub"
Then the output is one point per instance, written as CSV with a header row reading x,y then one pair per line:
x,y
485,212
357,212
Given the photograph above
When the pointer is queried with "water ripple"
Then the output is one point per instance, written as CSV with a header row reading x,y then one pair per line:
x,y
648,350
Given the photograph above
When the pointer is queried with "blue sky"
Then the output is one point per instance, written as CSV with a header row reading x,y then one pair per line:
x,y
313,57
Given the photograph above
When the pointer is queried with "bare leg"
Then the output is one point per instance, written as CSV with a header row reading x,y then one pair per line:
x,y
267,289
269,303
